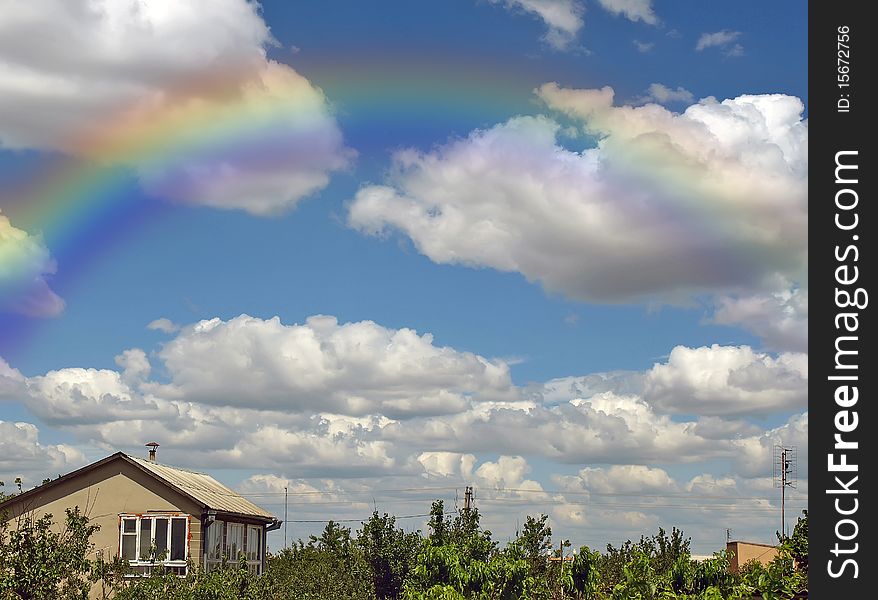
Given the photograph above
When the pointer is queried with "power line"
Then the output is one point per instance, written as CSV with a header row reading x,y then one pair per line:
x,y
360,520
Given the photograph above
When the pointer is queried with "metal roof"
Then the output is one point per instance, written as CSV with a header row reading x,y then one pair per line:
x,y
203,488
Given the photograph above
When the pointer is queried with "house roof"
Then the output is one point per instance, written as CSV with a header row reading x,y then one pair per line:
x,y
752,543
202,488
198,487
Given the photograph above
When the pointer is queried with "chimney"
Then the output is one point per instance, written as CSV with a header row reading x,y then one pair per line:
x,y
152,446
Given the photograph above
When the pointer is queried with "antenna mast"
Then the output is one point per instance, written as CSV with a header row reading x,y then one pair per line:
x,y
786,475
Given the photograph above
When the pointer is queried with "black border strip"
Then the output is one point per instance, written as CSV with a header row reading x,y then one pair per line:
x,y
840,114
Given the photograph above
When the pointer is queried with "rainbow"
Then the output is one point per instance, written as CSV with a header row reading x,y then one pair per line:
x,y
77,199
73,203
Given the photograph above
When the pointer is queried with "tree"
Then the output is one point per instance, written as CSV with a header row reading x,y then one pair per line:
x,y
39,563
797,544
390,552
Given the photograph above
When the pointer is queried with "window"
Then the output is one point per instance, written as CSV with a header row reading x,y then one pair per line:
x,y
162,539
234,540
214,549
254,543
227,542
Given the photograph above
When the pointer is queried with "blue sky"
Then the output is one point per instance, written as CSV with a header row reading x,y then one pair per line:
x,y
619,273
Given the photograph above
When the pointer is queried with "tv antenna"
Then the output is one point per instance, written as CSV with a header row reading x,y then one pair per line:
x,y
786,475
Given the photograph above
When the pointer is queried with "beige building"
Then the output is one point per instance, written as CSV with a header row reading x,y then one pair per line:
x,y
155,515
744,552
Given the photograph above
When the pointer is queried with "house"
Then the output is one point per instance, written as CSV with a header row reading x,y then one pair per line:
x,y
155,515
744,552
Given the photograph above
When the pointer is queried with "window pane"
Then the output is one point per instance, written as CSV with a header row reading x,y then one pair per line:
x,y
128,547
253,543
215,540
161,539
145,538
234,540
129,526
178,539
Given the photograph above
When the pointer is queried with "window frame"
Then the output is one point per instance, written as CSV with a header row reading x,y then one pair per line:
x,y
144,566
225,531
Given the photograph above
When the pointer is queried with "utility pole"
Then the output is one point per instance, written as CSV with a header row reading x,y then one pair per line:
x,y
728,535
468,499
561,545
286,497
785,475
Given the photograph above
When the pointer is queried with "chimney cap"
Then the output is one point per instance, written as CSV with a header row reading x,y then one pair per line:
x,y
152,445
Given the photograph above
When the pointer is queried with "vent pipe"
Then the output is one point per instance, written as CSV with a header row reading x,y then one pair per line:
x,y
152,446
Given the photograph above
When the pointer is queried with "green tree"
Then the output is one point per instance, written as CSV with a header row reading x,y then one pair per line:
x,y
39,563
797,543
390,553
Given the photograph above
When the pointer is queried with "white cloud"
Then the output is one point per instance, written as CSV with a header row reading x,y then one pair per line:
x,y
663,95
643,47
622,479
633,10
12,382
135,365
164,325
735,51
448,464
25,263
76,396
717,39
354,368
727,380
603,428
780,318
562,17
182,91
755,453
668,205
22,455
324,400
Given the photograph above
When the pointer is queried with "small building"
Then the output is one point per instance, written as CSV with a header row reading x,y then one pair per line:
x,y
744,552
154,515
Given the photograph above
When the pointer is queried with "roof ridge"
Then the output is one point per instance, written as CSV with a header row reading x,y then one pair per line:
x,y
175,467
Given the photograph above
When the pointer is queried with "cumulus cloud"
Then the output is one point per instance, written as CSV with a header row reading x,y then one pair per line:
x,y
562,17
633,10
181,91
603,428
22,454
621,479
164,325
780,318
664,95
756,452
727,380
354,368
355,400
720,39
12,382
667,205
25,265
76,396
135,365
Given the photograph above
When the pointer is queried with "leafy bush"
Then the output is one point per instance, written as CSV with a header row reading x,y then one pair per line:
x,y
457,560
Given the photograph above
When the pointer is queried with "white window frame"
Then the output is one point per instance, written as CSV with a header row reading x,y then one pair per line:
x,y
225,532
139,519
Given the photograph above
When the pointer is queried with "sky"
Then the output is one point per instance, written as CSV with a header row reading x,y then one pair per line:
x,y
377,252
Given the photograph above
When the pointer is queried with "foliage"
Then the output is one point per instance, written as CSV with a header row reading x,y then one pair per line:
x,y
797,544
456,560
37,562
390,553
328,567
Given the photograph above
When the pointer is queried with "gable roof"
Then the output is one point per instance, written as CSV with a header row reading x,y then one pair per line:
x,y
201,488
